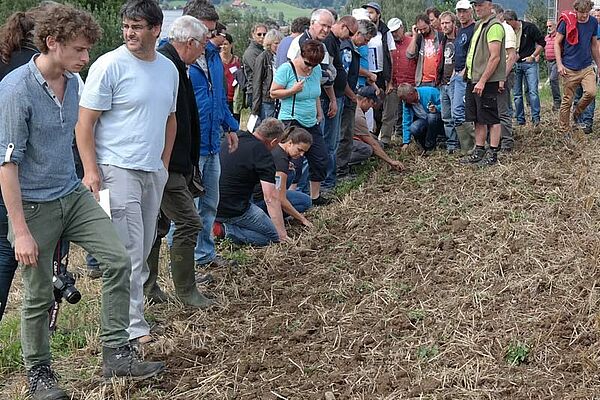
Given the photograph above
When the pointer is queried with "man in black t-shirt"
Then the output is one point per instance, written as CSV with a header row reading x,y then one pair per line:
x,y
237,217
445,72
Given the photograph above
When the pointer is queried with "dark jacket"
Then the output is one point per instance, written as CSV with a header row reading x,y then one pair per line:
x,y
439,77
530,37
211,99
386,75
248,61
263,77
18,58
332,43
186,149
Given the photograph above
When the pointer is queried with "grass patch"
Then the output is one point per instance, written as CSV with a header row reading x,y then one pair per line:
x,y
274,8
10,345
362,174
426,353
517,353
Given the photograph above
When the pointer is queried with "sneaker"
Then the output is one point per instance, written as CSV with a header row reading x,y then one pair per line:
x,y
491,158
587,130
43,384
217,263
321,201
475,157
204,279
126,361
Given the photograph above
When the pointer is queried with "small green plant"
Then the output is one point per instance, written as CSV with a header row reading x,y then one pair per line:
x,y
421,178
364,287
425,353
10,345
416,315
517,353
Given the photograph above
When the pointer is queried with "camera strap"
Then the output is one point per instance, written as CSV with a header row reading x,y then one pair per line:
x,y
57,268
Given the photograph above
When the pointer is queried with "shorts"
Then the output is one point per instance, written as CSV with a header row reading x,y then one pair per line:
x,y
482,109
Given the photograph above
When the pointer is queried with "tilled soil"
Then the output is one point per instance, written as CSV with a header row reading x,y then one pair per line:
x,y
444,282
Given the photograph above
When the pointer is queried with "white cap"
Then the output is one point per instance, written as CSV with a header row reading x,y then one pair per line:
x,y
394,24
360,13
463,5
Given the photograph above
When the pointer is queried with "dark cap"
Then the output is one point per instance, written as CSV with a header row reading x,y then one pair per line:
x,y
368,92
479,1
374,5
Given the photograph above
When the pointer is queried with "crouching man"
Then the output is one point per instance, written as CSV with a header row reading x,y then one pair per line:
x,y
46,201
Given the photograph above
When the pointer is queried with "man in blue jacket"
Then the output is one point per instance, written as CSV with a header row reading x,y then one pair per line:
x,y
421,116
207,76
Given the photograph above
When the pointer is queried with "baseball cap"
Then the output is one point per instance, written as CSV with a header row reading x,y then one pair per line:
x,y
360,13
479,1
463,5
368,92
374,5
394,24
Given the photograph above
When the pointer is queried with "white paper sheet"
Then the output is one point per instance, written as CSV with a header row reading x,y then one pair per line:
x,y
105,201
252,123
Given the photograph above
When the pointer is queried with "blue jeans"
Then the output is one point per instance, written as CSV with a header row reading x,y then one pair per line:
x,y
458,87
587,116
331,133
446,98
266,110
253,227
300,201
425,131
527,71
210,167
8,263
554,82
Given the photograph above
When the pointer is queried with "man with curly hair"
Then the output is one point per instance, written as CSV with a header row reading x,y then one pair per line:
x,y
46,201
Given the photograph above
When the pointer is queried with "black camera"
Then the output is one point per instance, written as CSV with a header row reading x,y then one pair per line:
x,y
64,286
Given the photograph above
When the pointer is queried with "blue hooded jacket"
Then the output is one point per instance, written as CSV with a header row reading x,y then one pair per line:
x,y
427,95
211,99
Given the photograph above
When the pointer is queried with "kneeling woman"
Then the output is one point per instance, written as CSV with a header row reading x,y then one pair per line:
x,y
295,143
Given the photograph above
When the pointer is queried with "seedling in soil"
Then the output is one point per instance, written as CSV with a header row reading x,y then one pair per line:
x,y
398,290
426,353
416,315
517,353
364,287
421,178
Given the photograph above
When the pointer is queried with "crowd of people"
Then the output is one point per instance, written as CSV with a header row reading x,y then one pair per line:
x,y
156,128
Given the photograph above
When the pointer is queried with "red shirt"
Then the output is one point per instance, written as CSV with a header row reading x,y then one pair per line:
x,y
549,49
404,69
230,76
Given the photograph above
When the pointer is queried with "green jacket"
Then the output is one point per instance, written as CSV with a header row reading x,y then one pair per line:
x,y
482,53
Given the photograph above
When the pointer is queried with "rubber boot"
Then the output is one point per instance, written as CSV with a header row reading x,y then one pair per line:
x,y
124,361
466,137
152,291
184,279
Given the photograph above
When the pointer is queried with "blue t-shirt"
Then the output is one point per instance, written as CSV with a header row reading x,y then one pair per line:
x,y
364,63
579,56
305,110
461,46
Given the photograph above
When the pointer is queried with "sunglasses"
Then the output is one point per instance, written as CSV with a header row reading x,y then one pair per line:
x,y
350,32
260,34
309,65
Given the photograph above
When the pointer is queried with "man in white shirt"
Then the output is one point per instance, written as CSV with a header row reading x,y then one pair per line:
x,y
125,135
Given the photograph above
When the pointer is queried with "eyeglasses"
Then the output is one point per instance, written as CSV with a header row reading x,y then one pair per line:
x,y
350,32
309,65
200,41
260,34
135,28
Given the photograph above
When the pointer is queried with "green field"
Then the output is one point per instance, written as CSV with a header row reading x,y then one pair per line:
x,y
273,9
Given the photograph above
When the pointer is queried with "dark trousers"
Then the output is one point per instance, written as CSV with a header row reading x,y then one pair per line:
x,y
344,151
8,263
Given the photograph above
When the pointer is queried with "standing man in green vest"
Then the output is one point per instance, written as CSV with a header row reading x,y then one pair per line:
x,y
486,73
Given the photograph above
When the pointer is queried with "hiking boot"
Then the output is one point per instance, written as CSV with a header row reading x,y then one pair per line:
x,y
490,158
43,384
475,157
184,279
125,361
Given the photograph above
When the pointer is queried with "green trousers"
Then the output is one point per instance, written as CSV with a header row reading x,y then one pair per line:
x,y
77,218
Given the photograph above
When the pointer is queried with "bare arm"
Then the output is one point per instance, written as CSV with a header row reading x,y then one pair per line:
x,y
379,152
280,92
411,50
595,51
271,196
511,60
558,53
285,203
86,144
170,133
537,51
26,248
